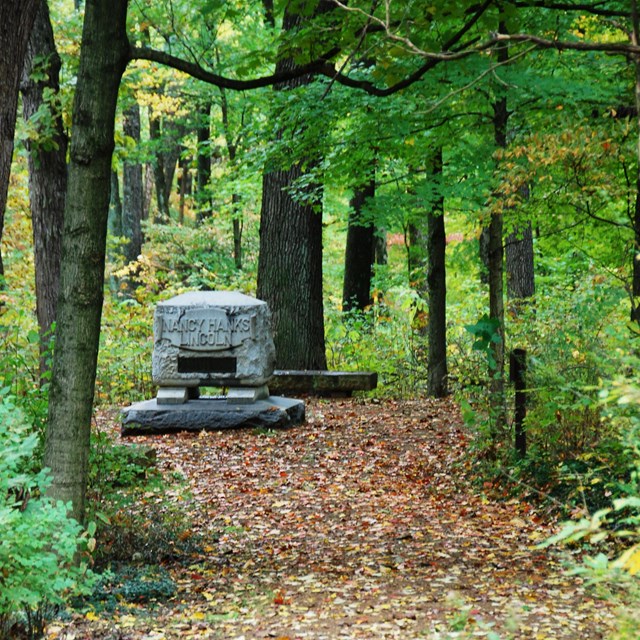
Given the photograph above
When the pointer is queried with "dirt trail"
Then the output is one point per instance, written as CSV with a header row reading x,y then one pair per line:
x,y
362,523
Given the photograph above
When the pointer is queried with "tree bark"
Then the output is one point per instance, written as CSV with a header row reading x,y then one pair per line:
x,y
132,192
437,370
237,219
359,252
519,266
635,284
203,163
238,228
290,258
103,58
164,133
290,273
380,247
115,206
16,21
496,270
47,174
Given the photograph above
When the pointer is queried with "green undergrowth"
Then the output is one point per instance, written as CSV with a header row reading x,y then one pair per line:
x,y
44,554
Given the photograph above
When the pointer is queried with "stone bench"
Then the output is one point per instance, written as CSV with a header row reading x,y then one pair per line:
x,y
323,383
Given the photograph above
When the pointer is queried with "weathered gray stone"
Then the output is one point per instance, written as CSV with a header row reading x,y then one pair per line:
x,y
212,338
172,395
210,414
247,395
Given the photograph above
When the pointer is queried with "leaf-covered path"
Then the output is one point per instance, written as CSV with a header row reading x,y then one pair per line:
x,y
359,524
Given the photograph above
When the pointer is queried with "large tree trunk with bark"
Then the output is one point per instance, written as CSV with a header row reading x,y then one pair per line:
x,y
290,273
103,58
16,21
47,173
359,251
290,258
132,191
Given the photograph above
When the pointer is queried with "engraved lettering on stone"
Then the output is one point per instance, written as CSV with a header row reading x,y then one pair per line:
x,y
206,329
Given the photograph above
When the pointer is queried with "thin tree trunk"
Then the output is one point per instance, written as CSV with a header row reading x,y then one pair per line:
x,y
103,58
16,21
238,228
635,286
496,270
115,206
417,256
47,175
380,247
183,186
132,193
203,163
165,165
359,252
437,292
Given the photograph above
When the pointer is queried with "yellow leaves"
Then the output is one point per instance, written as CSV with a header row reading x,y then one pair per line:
x,y
629,560
91,616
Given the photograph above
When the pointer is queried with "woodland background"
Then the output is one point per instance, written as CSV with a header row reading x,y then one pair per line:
x,y
419,189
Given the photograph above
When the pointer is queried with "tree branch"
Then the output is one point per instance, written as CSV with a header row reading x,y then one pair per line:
x,y
592,8
566,45
316,67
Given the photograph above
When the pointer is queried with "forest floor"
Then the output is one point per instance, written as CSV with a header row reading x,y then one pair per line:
x,y
365,522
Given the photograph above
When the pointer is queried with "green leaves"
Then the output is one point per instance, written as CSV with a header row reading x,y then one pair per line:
x,y
43,553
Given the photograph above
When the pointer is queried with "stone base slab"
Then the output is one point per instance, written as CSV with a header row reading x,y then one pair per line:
x,y
210,414
322,382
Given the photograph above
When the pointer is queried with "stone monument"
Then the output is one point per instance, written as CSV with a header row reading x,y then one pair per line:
x,y
211,339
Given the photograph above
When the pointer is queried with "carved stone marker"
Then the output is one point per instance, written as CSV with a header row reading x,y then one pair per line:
x,y
211,339
215,339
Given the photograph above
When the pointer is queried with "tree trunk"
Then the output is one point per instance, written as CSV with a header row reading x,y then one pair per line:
x,y
496,271
238,228
115,206
47,175
635,307
519,266
417,256
359,252
16,20
380,247
437,292
635,285
290,273
183,186
132,195
290,258
203,163
166,134
103,58
237,218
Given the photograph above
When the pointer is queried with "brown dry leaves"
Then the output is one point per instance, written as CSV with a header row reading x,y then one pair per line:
x,y
358,524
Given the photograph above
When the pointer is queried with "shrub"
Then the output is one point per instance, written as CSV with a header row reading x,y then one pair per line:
x,y
43,552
